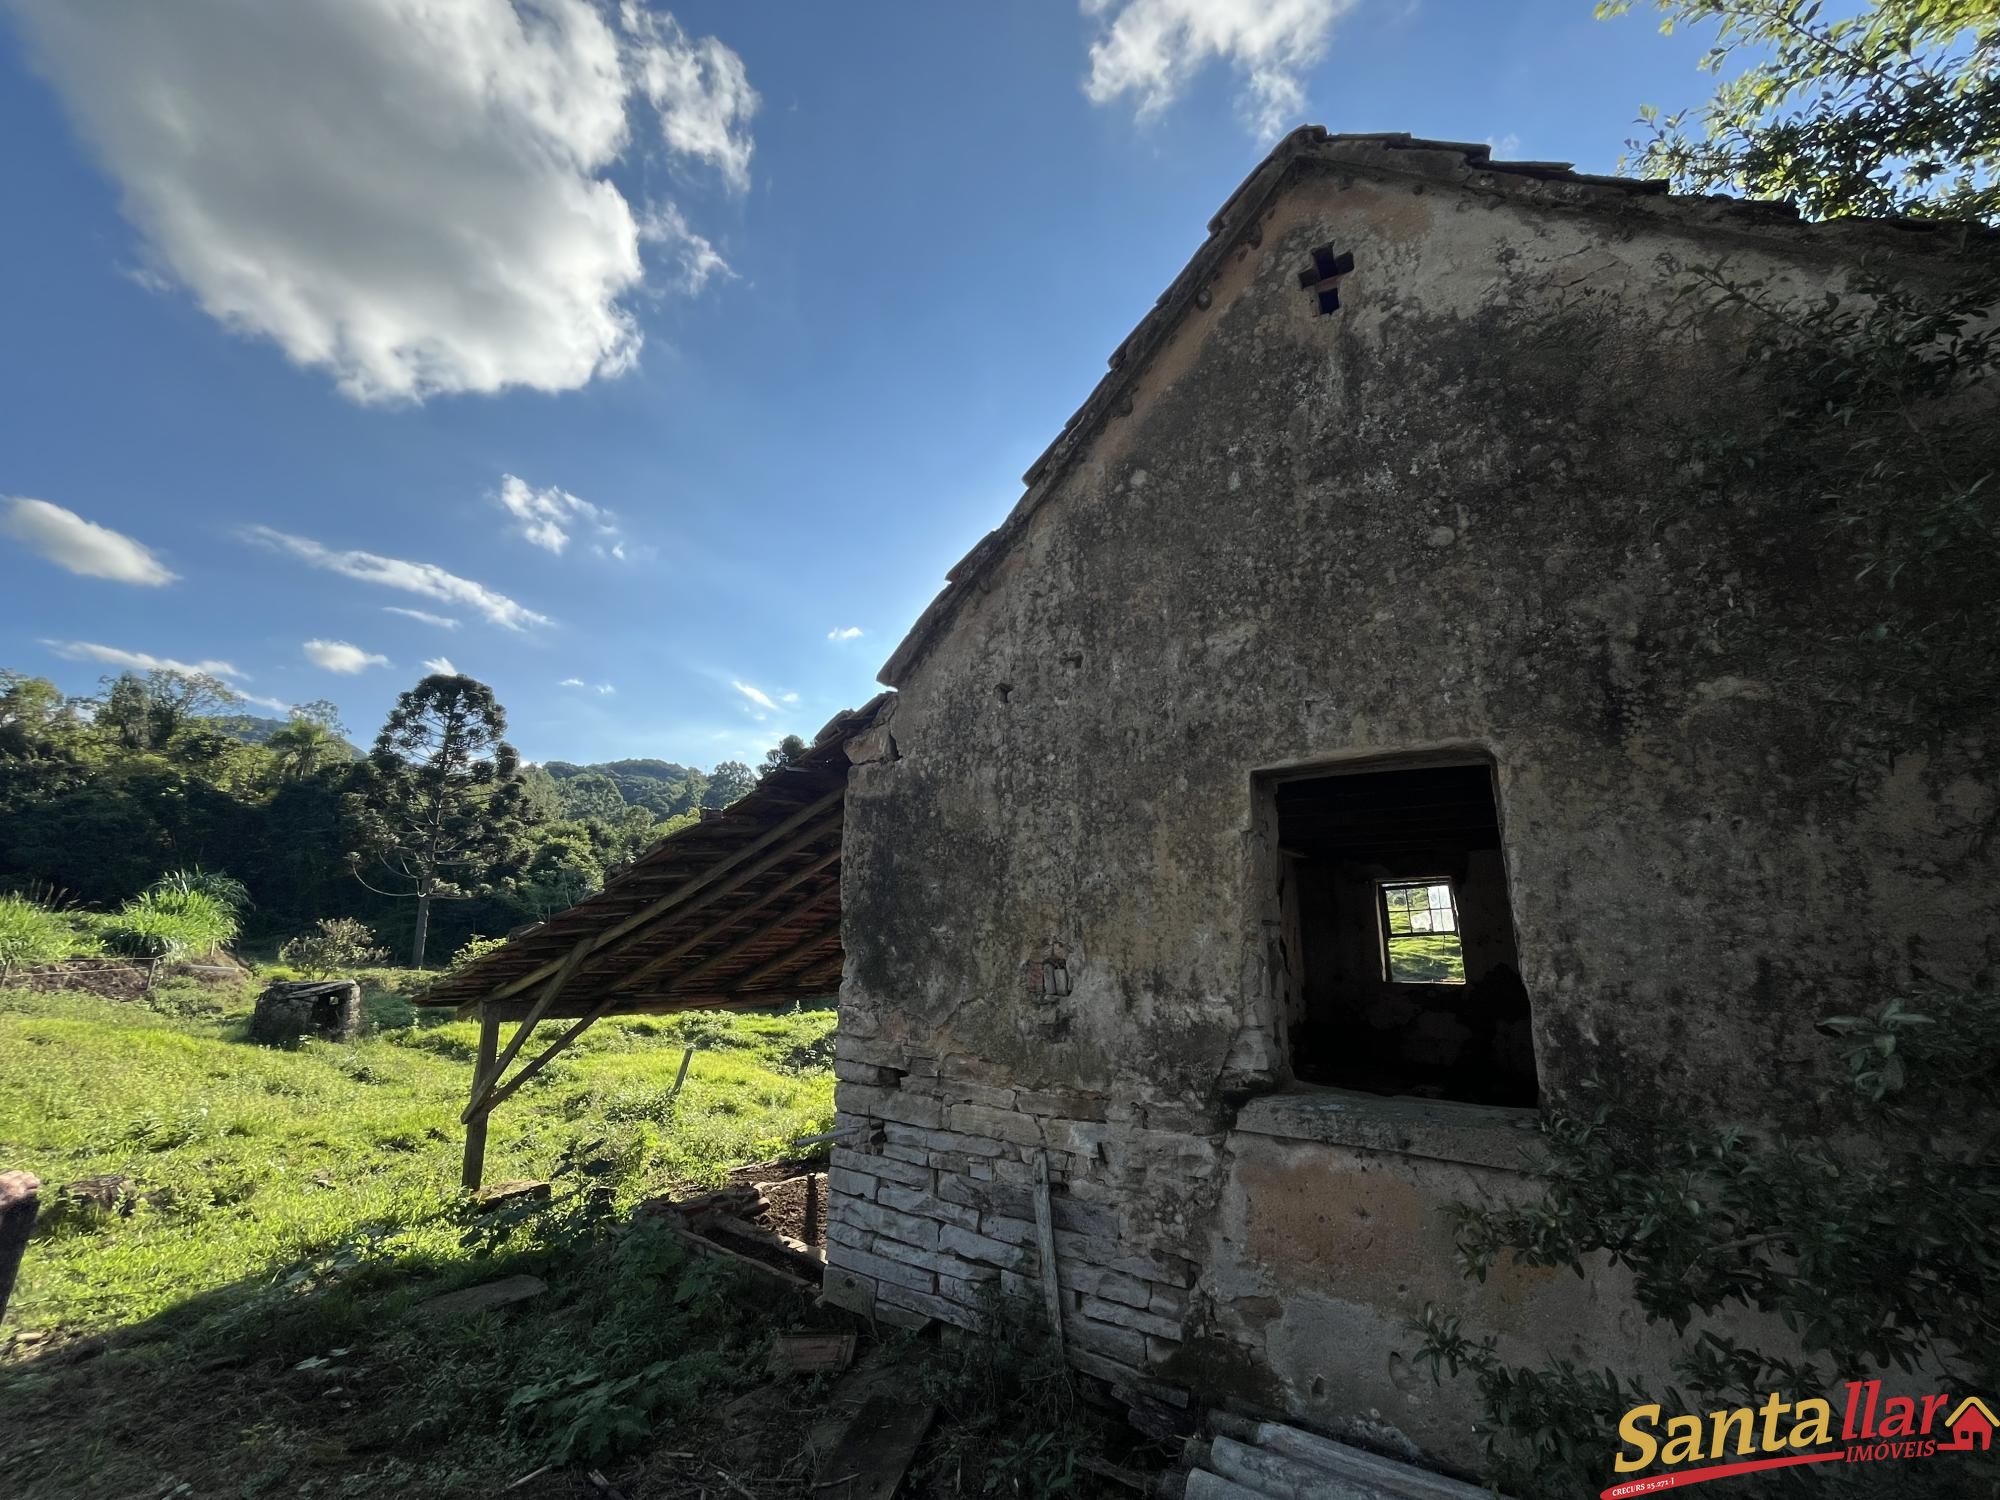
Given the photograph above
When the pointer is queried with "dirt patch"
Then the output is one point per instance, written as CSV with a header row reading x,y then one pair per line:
x,y
796,1209
125,979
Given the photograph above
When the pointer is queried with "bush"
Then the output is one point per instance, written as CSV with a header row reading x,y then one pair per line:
x,y
31,934
169,923
340,943
1873,1239
194,880
475,948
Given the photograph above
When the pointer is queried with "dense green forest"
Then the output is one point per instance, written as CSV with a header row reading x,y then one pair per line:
x,y
162,771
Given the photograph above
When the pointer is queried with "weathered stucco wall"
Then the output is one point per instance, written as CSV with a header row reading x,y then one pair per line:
x,y
1467,511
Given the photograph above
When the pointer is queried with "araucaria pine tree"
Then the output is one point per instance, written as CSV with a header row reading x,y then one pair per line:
x,y
439,798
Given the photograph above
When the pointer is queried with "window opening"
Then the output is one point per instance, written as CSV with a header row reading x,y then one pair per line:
x,y
1400,972
1420,933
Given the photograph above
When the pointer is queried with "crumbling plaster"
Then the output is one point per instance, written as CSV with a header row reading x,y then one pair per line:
x,y
1467,512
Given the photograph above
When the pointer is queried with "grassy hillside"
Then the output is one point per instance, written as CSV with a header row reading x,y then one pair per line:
x,y
296,1207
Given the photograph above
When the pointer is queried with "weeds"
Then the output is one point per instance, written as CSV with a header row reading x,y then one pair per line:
x,y
1017,1424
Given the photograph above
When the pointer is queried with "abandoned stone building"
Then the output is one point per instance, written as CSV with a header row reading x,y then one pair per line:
x,y
1374,719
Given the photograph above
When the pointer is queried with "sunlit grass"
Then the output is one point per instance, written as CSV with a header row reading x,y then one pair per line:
x,y
249,1158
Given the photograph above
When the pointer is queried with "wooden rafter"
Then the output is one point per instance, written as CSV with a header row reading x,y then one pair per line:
x,y
786,835
651,966
483,1086
756,935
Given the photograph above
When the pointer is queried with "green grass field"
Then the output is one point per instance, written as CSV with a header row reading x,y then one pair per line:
x,y
297,1205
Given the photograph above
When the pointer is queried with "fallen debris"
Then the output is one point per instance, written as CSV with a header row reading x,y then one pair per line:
x,y
812,1353
481,1298
876,1451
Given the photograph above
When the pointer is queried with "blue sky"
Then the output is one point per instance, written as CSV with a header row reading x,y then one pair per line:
x,y
671,355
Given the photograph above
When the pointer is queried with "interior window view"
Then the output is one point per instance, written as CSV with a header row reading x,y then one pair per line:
x,y
1399,936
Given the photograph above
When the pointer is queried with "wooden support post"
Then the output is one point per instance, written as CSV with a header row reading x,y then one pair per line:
x,y
18,1200
1045,1242
475,1127
491,1076
687,1058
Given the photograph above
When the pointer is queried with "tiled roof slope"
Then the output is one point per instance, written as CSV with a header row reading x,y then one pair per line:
x,y
1392,155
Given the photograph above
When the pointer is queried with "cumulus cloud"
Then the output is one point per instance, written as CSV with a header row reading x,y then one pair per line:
x,y
83,547
788,697
843,633
606,688
141,661
1150,49
571,682
545,518
699,88
338,656
415,198
427,579
443,622
755,695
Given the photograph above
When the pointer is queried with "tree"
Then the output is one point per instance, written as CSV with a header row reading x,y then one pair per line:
x,y
728,781
1892,111
780,755
1872,1243
438,802
302,747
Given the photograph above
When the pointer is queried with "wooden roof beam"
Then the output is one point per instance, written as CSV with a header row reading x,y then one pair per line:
x,y
786,836
723,923
756,935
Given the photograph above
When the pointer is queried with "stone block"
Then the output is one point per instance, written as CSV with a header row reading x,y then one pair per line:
x,y
890,1104
942,1264
962,1091
988,1197
1131,1317
872,1074
851,1289
1069,1106
1000,1124
1110,1286
905,1134
888,1168
1126,1345
880,1267
1102,1366
851,1182
983,1248
890,1222
918,1201
941,1308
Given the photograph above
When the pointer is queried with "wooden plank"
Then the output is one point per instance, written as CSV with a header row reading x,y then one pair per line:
x,y
778,834
474,1166
757,935
723,923
494,1099
793,954
875,1452
1045,1242
527,1026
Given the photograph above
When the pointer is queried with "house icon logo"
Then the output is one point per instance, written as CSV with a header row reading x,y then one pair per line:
x,y
1971,1426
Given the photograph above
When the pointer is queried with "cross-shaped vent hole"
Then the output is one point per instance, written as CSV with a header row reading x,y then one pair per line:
x,y
1322,277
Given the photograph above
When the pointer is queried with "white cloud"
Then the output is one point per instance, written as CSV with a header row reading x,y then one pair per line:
x,y
700,89
140,661
606,688
338,656
761,699
276,705
1504,146
844,633
1152,48
547,517
441,665
83,547
443,622
413,197
695,259
571,682
427,579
